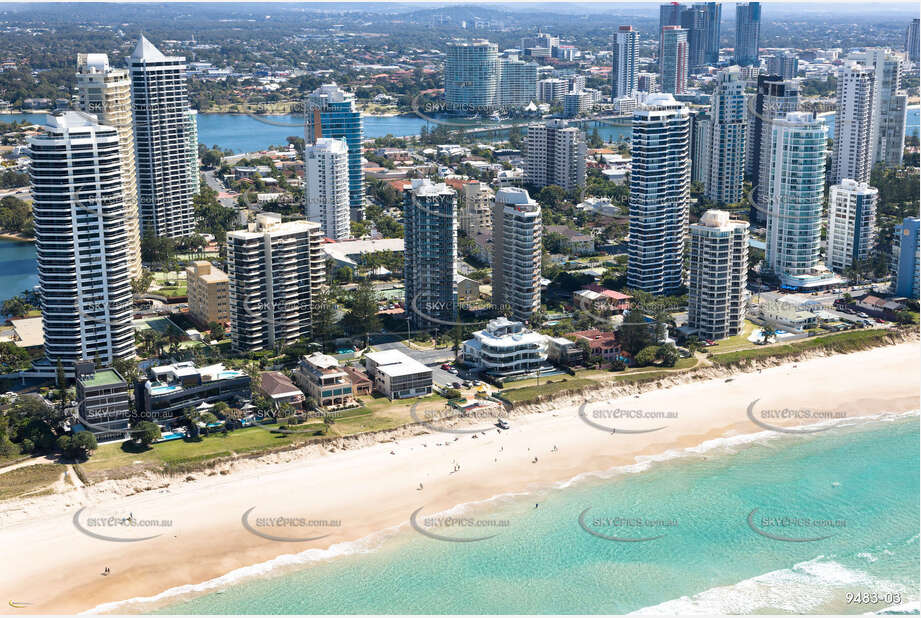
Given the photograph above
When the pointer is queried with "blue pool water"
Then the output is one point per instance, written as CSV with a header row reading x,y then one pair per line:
x,y
171,436
167,388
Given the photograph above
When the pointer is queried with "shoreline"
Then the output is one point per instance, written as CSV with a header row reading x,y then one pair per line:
x,y
15,236
60,574
289,563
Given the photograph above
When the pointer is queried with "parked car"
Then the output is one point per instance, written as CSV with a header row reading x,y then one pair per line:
x,y
455,385
862,315
446,367
452,370
467,384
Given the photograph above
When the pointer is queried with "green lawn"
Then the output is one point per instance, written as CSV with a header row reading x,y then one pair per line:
x,y
850,341
171,292
527,393
736,342
111,456
33,480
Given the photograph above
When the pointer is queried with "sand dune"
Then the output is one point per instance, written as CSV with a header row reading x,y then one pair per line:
x,y
49,563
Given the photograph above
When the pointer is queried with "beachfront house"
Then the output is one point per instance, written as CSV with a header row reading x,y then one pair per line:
x,y
170,389
505,348
102,401
320,376
397,376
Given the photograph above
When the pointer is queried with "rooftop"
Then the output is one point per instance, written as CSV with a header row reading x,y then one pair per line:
x,y
394,363
145,50
103,377
276,384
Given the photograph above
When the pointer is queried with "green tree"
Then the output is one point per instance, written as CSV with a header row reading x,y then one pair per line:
x,y
362,315
217,331
78,446
324,312
146,433
668,355
635,334
646,356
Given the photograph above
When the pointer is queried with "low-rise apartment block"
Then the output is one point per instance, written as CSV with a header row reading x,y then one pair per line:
x,y
209,293
397,376
505,348
170,389
102,401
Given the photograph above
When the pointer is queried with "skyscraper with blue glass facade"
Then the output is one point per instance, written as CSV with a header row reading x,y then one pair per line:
x,y
331,112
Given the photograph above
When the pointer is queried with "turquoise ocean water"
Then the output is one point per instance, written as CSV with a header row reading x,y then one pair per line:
x,y
859,482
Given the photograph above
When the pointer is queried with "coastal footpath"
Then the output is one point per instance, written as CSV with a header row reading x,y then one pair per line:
x,y
57,567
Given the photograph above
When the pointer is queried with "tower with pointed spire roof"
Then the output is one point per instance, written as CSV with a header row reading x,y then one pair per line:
x,y
160,110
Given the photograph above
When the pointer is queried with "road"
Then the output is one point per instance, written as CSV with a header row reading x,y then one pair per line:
x,y
212,181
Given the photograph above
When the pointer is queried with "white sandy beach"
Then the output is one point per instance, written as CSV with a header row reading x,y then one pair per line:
x,y
57,569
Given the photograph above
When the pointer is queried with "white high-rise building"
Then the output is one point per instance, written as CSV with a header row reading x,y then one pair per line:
x,y
555,155
853,148
624,66
551,90
191,127
275,271
724,143
890,106
517,82
794,197
851,228
516,251
471,76
160,106
106,93
81,240
660,180
718,274
326,186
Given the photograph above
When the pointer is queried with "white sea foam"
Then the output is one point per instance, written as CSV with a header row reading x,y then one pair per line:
x,y
727,445
372,542
361,546
801,589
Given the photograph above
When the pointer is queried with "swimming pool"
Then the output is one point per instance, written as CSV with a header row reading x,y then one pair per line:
x,y
166,388
175,435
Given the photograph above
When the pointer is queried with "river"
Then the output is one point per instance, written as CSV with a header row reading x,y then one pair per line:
x,y
244,133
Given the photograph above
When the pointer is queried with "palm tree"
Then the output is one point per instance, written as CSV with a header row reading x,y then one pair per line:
x,y
146,341
174,340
